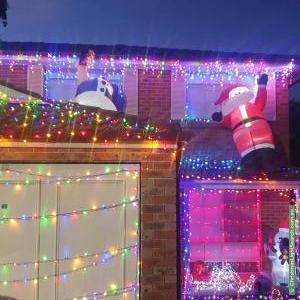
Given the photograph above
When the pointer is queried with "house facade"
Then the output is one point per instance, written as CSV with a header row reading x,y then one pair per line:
x,y
182,158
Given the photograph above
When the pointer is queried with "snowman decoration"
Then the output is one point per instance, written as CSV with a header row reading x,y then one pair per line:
x,y
278,253
243,112
97,92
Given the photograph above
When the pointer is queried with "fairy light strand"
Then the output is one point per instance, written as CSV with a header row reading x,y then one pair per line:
x,y
107,294
105,255
74,212
118,252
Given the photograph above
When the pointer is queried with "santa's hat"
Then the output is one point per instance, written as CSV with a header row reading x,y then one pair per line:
x,y
225,93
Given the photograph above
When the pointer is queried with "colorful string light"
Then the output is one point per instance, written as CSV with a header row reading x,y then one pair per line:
x,y
58,179
229,70
112,292
221,284
44,218
70,122
104,256
84,261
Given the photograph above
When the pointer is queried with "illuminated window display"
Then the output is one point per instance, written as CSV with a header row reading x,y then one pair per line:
x,y
233,242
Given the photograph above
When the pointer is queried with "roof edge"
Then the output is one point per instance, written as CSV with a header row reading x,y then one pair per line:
x,y
140,51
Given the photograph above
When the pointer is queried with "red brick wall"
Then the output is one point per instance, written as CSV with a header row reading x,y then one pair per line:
x,y
274,211
281,125
158,206
16,75
154,95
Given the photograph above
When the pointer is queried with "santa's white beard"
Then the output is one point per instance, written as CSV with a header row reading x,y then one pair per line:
x,y
232,103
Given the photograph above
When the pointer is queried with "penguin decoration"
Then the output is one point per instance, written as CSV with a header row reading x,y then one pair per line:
x,y
97,92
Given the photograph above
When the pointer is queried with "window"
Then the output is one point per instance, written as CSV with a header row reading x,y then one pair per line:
x,y
236,241
63,87
200,97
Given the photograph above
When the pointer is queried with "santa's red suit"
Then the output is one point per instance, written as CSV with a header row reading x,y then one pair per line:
x,y
245,117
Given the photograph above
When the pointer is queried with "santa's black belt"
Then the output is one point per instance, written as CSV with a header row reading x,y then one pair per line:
x,y
246,121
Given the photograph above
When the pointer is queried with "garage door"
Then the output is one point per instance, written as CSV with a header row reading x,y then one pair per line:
x,y
69,231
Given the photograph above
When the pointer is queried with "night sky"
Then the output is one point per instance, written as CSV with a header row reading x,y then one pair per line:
x,y
268,26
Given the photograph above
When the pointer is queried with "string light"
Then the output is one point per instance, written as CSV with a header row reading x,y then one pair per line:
x,y
67,214
226,279
61,179
105,256
108,294
79,263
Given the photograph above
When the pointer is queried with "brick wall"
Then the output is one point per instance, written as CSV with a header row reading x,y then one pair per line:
x,y
154,92
17,75
280,127
158,206
274,211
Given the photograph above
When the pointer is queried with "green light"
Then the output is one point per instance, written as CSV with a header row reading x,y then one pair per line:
x,y
107,170
27,181
5,283
44,220
85,212
4,269
45,258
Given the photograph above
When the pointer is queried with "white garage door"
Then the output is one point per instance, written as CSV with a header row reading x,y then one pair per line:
x,y
69,231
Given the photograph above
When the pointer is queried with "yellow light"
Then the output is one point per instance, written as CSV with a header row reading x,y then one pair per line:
x,y
48,135
94,139
113,251
35,281
76,263
94,207
88,173
18,187
133,232
72,133
48,173
13,222
113,286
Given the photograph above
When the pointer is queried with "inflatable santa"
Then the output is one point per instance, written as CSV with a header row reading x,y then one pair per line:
x,y
241,110
97,92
